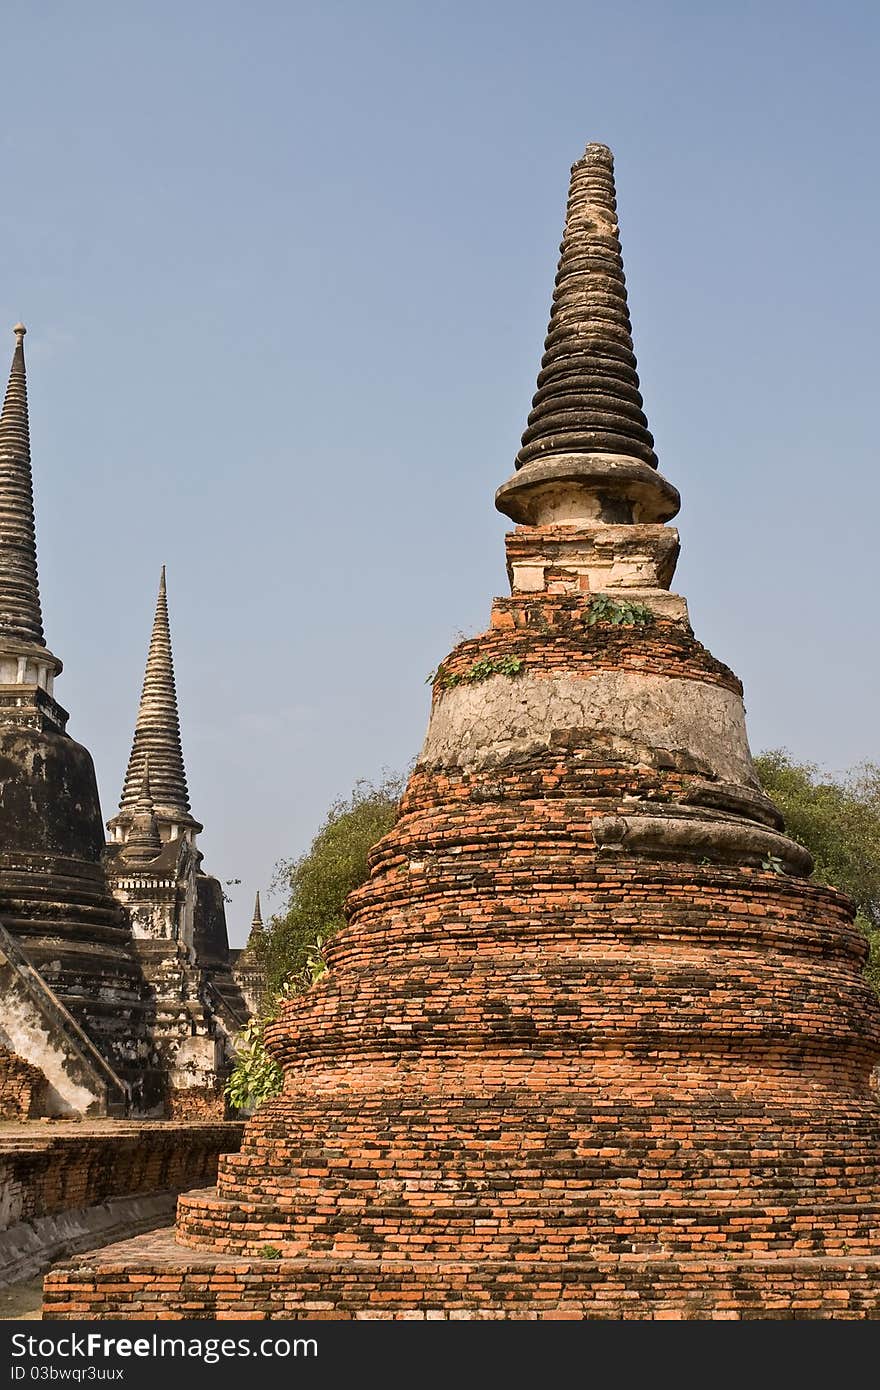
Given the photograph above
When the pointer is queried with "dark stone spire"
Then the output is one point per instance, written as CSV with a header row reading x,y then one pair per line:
x,y
587,427
588,398
20,616
54,898
157,733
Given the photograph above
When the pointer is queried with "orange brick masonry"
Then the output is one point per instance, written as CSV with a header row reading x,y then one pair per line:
x,y
22,1087
48,1168
546,1079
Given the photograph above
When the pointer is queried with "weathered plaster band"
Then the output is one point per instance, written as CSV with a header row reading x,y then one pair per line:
x,y
574,487
474,726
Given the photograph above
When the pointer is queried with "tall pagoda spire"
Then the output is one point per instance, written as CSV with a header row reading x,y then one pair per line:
x,y
587,438
54,897
157,734
20,615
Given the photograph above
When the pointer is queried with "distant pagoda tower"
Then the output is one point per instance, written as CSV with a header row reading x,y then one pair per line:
x,y
53,894
157,742
591,1044
257,919
26,660
249,966
177,912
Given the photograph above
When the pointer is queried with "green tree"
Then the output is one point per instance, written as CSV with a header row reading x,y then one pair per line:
x,y
838,821
256,1075
318,883
292,946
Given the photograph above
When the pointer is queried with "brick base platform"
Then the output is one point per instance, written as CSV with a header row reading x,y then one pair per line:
x,y
152,1277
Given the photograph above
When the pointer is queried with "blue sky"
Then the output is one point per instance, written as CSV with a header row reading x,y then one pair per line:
x,y
286,271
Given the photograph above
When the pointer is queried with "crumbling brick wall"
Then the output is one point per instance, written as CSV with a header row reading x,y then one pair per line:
x,y
69,1167
22,1087
196,1103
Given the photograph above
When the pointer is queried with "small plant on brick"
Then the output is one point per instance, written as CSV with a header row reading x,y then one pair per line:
x,y
618,612
269,1252
316,964
773,864
480,671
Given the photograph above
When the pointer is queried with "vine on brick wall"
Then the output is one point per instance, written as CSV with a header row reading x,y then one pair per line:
x,y
480,671
620,612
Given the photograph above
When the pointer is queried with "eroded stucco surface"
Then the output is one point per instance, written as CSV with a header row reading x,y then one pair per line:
x,y
481,725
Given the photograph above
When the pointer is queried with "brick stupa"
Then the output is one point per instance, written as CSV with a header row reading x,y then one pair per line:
x,y
592,1044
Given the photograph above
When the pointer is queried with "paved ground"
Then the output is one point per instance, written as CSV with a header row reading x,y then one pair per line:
x,y
22,1300
157,1247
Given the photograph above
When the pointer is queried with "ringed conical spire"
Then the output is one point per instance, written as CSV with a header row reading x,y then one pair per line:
x,y
587,428
588,398
257,921
20,615
157,730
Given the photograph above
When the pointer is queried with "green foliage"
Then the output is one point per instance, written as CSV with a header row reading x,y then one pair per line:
x,y
480,671
292,946
838,821
773,864
269,1252
316,964
256,1076
318,883
620,612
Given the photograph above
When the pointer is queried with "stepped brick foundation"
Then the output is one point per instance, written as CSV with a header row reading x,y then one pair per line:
x,y
152,1277
592,1044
